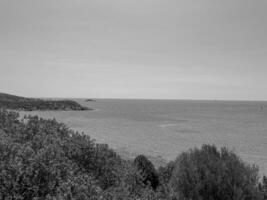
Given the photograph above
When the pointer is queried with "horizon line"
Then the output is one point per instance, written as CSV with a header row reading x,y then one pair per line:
x,y
139,98
154,99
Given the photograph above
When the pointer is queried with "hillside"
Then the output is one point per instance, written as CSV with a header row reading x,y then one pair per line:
x,y
13,102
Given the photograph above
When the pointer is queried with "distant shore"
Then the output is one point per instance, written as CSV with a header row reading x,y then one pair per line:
x,y
18,103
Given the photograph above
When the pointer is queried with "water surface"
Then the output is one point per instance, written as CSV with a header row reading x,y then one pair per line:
x,y
165,128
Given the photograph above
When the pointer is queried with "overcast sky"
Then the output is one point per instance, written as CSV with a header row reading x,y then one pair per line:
x,y
184,49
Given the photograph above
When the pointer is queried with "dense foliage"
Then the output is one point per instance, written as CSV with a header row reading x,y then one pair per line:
x,y
208,173
263,187
28,104
44,160
147,171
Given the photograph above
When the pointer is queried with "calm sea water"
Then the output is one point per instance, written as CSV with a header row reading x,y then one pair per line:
x,y
165,128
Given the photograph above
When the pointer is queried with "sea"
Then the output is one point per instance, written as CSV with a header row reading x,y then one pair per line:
x,y
163,129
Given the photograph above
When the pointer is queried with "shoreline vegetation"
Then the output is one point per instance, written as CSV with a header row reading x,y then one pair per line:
x,y
13,102
44,159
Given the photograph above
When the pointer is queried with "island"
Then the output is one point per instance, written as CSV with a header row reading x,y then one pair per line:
x,y
87,100
12,102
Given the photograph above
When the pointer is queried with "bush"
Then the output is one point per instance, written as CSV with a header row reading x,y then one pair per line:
x,y
132,187
165,172
147,171
43,159
263,187
208,173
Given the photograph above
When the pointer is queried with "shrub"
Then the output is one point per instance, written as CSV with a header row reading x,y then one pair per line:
x,y
147,171
44,159
208,173
132,187
263,187
165,172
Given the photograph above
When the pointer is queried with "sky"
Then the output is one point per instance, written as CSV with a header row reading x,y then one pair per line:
x,y
153,49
